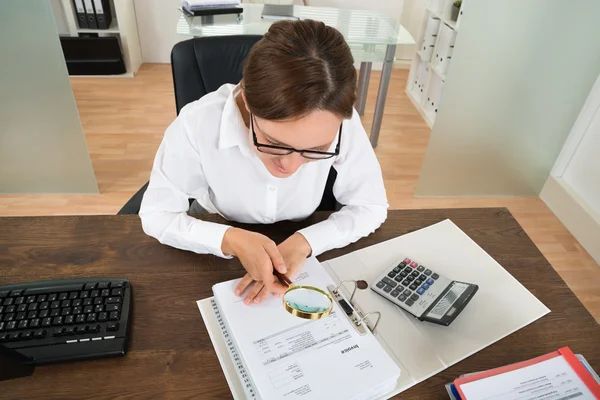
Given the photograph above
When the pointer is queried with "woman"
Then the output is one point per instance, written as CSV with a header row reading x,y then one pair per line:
x,y
261,151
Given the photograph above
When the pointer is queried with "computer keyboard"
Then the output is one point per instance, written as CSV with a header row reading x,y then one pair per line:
x,y
66,320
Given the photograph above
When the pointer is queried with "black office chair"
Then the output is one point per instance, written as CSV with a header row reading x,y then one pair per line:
x,y
201,66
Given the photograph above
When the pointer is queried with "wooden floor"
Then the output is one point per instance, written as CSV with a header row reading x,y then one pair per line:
x,y
124,120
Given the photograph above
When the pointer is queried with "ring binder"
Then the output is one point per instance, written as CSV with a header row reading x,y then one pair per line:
x,y
352,311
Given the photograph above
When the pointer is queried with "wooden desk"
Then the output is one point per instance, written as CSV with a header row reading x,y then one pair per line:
x,y
171,355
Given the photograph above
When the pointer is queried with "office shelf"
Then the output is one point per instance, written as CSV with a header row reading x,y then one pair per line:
x,y
113,28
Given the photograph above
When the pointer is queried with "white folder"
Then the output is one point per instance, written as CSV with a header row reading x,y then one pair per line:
x,y
444,48
429,38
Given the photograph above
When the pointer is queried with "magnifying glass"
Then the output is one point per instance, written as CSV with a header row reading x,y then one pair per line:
x,y
306,302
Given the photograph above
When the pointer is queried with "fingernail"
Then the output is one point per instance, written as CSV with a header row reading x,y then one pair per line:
x,y
236,292
257,301
247,301
283,269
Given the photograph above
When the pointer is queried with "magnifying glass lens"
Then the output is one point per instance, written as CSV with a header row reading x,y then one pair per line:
x,y
307,300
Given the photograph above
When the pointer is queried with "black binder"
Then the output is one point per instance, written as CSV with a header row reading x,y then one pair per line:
x,y
81,16
14,364
91,15
103,14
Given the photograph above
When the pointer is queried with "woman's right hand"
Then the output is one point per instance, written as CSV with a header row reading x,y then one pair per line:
x,y
258,254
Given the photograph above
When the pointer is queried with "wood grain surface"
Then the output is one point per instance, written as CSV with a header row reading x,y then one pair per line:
x,y
171,355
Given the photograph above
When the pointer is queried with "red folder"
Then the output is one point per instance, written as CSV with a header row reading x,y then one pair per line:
x,y
565,352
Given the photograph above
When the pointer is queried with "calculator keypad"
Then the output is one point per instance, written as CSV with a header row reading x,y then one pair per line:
x,y
411,285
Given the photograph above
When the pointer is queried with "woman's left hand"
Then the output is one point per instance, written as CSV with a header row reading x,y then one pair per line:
x,y
294,251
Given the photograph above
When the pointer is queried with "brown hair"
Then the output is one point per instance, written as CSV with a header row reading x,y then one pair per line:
x,y
299,67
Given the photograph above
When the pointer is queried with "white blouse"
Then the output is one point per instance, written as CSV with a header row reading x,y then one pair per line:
x,y
206,155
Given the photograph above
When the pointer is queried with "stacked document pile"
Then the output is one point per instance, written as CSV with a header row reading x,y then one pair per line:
x,y
193,6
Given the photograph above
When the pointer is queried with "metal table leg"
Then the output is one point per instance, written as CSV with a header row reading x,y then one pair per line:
x,y
384,83
363,86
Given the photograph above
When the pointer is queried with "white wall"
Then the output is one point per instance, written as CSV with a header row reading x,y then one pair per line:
x,y
59,17
157,20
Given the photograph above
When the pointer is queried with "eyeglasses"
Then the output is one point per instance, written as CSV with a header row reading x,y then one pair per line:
x,y
284,151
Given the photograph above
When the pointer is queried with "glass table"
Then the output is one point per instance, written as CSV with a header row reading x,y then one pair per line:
x,y
372,37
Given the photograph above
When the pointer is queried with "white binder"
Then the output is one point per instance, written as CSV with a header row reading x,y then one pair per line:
x,y
420,349
444,48
429,38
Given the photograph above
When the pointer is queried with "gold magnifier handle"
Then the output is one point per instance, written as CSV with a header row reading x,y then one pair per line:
x,y
282,278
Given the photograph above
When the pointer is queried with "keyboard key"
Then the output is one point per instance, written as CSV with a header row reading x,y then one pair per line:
x,y
3,293
55,304
418,282
19,300
398,278
103,285
84,295
420,291
1,308
397,269
11,326
120,285
103,317
92,317
105,293
94,293
407,261
10,309
387,289
413,287
46,322
8,301
69,320
65,303
420,268
97,300
430,281
410,278
69,331
23,324
4,337
66,311
407,293
57,321
77,303
403,274
423,277
402,297
27,335
409,302
414,297
55,313
44,306
117,307
87,302
13,337
30,299
427,272
2,326
53,290
32,315
40,334
395,293
77,310
90,286
21,316
414,273
63,296
81,329
387,280
9,317
43,314
408,270
22,307
35,323
52,297
58,332
112,326
414,264
73,295
80,319
88,309
406,282
435,276
94,328
32,307
41,298
425,286
391,274
99,308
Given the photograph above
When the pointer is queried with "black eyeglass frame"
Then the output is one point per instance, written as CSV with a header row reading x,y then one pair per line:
x,y
291,150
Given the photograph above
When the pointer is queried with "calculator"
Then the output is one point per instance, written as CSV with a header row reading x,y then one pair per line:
x,y
424,293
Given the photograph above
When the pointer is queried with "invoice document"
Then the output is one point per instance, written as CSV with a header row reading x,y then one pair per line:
x,y
292,358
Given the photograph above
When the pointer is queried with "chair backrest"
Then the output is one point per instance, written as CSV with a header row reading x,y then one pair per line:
x,y
202,65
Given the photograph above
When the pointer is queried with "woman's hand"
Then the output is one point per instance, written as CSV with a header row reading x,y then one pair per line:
x,y
294,251
258,254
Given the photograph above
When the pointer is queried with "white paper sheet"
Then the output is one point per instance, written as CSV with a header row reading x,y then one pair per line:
x,y
553,379
292,358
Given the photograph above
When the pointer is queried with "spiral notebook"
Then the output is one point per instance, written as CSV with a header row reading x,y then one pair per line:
x,y
419,349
